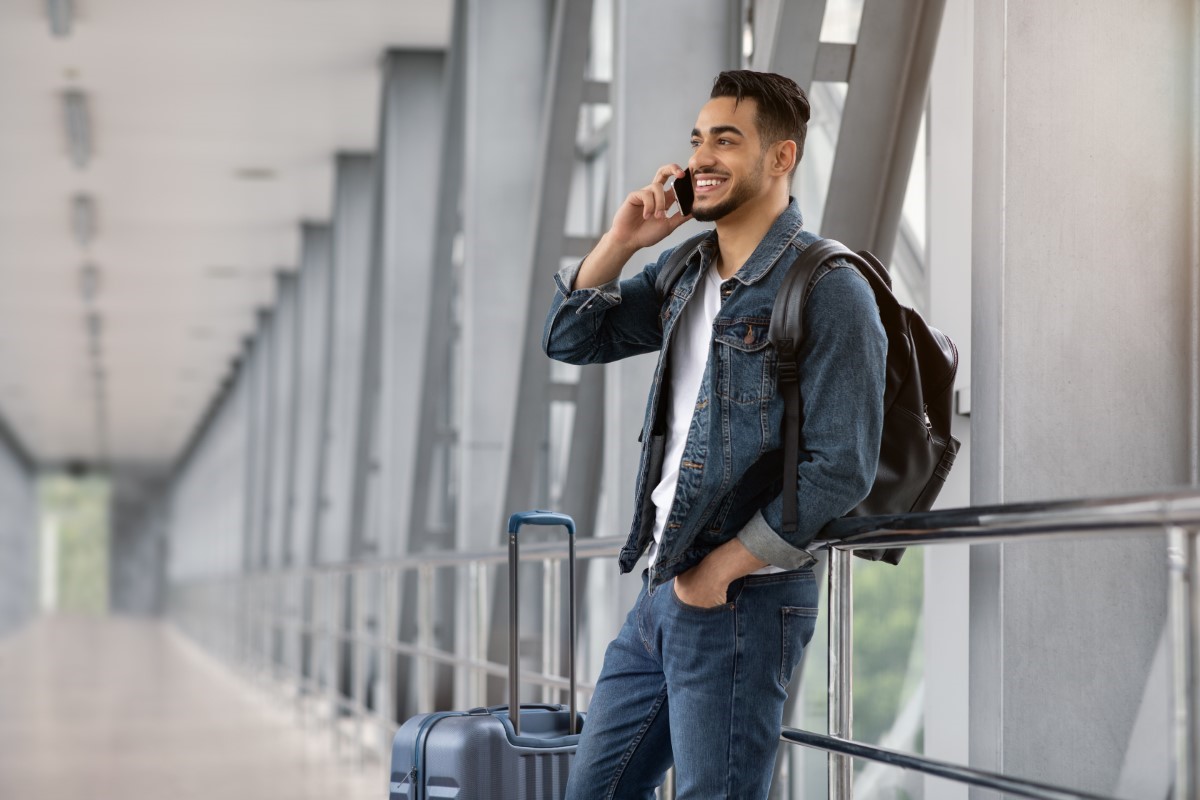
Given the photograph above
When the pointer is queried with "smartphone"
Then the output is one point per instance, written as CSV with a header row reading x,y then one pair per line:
x,y
683,192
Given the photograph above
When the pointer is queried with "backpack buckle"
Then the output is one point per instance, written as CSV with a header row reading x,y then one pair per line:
x,y
788,373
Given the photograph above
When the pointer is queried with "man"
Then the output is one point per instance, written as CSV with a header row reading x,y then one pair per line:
x,y
697,676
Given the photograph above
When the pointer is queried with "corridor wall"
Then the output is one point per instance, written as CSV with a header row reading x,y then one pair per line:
x,y
18,535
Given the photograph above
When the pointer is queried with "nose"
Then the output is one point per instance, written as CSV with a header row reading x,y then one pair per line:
x,y
701,159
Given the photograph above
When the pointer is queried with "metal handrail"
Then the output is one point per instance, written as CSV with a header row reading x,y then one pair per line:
x,y
1176,514
984,524
940,769
594,547
326,606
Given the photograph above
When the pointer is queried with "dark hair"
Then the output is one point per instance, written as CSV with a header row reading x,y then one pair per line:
x,y
783,109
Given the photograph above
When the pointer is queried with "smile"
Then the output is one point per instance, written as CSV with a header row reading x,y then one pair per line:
x,y
707,184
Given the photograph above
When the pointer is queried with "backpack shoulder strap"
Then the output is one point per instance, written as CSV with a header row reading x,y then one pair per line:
x,y
787,315
785,333
669,274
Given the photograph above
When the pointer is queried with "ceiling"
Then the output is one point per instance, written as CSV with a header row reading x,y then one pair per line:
x,y
213,127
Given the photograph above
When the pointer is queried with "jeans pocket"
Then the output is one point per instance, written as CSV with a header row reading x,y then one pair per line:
x,y
798,626
709,610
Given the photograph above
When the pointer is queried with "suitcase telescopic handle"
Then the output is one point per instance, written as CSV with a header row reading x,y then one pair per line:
x,y
515,523
538,517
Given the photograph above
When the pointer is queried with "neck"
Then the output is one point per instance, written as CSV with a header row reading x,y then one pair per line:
x,y
740,231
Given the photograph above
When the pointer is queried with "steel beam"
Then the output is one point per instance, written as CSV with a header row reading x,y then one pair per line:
x,y
263,429
436,402
652,119
405,274
353,195
506,62
315,302
290,388
506,67
880,120
791,46
560,121
281,401
409,309
257,454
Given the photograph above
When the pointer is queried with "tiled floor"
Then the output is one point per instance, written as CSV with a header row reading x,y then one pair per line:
x,y
103,708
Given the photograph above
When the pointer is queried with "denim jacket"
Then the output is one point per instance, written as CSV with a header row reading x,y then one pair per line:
x,y
730,476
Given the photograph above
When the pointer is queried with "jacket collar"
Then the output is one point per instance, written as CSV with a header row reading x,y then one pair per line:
x,y
781,233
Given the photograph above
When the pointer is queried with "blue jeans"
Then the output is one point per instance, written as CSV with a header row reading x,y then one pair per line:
x,y
702,689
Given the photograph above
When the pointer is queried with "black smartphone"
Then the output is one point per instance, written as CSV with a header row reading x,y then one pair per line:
x,y
683,192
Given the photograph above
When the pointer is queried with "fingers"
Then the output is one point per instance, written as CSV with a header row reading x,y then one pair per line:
x,y
658,199
666,172
663,197
678,220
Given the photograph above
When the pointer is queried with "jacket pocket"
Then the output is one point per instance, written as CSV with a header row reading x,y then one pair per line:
x,y
744,360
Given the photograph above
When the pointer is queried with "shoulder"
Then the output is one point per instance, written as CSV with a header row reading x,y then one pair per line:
x,y
839,291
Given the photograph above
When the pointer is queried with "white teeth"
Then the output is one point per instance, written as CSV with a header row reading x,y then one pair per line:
x,y
708,182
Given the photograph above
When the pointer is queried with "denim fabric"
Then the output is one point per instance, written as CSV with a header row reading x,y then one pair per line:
x,y
702,689
730,478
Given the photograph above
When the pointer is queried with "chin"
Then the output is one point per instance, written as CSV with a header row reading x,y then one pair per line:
x,y
714,212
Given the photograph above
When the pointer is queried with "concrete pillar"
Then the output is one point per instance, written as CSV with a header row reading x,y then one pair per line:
x,y
354,194
1080,372
410,164
313,306
507,46
946,606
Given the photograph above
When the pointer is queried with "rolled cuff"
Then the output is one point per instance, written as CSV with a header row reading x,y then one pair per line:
x,y
766,545
607,295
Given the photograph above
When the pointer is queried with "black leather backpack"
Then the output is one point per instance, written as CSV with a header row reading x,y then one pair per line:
x,y
917,450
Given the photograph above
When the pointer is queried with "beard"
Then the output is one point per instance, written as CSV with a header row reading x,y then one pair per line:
x,y
743,191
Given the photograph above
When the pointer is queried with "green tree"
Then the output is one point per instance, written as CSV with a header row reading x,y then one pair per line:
x,y
887,610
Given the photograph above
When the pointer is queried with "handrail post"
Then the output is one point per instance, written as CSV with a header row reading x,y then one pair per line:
x,y
360,651
841,610
334,585
1184,562
385,636
425,637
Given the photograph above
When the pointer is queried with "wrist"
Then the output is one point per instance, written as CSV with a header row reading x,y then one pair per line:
x,y
733,561
617,247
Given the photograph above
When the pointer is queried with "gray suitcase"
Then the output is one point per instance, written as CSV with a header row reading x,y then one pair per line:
x,y
485,753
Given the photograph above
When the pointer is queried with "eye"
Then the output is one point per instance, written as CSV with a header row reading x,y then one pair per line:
x,y
694,143
724,141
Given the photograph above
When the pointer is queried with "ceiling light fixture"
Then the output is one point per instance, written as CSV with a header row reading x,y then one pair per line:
x,y
83,218
255,173
61,14
79,133
89,282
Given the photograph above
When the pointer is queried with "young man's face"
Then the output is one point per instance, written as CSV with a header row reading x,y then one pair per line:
x,y
728,160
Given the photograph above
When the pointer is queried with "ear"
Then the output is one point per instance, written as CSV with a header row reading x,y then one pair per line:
x,y
783,157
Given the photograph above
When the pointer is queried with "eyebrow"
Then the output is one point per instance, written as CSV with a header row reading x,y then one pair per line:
x,y
717,130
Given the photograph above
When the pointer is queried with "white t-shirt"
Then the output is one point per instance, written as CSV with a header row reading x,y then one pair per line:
x,y
688,359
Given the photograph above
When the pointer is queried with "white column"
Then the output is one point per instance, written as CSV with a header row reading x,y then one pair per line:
x,y
947,569
1082,216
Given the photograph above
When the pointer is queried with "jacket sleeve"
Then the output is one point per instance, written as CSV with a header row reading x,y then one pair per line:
x,y
843,374
607,323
